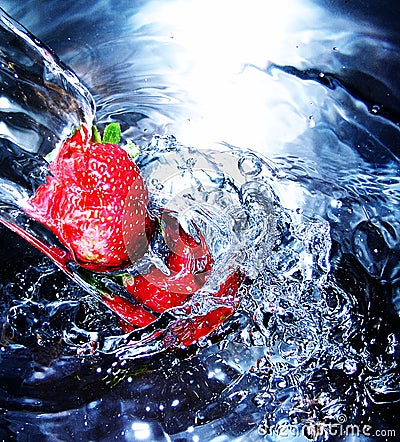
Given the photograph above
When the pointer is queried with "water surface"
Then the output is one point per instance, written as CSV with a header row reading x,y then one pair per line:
x,y
308,93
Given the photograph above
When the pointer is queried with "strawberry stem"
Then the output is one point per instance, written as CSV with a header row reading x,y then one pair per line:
x,y
96,135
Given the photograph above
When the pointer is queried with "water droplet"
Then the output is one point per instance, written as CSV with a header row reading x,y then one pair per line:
x,y
350,367
375,109
191,162
157,184
337,204
250,165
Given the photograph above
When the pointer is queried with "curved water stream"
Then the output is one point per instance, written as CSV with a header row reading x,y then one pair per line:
x,y
288,116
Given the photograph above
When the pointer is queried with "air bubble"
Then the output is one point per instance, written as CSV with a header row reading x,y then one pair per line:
x,y
250,165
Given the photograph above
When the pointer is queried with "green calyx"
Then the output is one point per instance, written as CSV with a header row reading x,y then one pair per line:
x,y
96,137
112,134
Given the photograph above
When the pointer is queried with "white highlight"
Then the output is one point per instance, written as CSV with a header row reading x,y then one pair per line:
x,y
141,430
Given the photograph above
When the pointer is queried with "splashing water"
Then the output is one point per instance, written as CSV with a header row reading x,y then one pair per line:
x,y
310,214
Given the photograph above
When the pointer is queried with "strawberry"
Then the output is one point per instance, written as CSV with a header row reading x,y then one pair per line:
x,y
186,254
129,313
160,292
191,329
189,263
182,331
95,202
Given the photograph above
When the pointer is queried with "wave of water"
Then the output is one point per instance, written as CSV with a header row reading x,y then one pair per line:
x,y
307,169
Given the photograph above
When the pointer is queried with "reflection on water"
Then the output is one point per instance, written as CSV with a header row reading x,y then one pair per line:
x,y
315,341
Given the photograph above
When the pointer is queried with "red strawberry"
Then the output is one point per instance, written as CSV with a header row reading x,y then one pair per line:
x,y
129,313
186,254
189,263
95,202
160,292
188,257
187,331
103,167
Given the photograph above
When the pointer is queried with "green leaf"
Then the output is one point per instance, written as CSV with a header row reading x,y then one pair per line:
x,y
112,133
